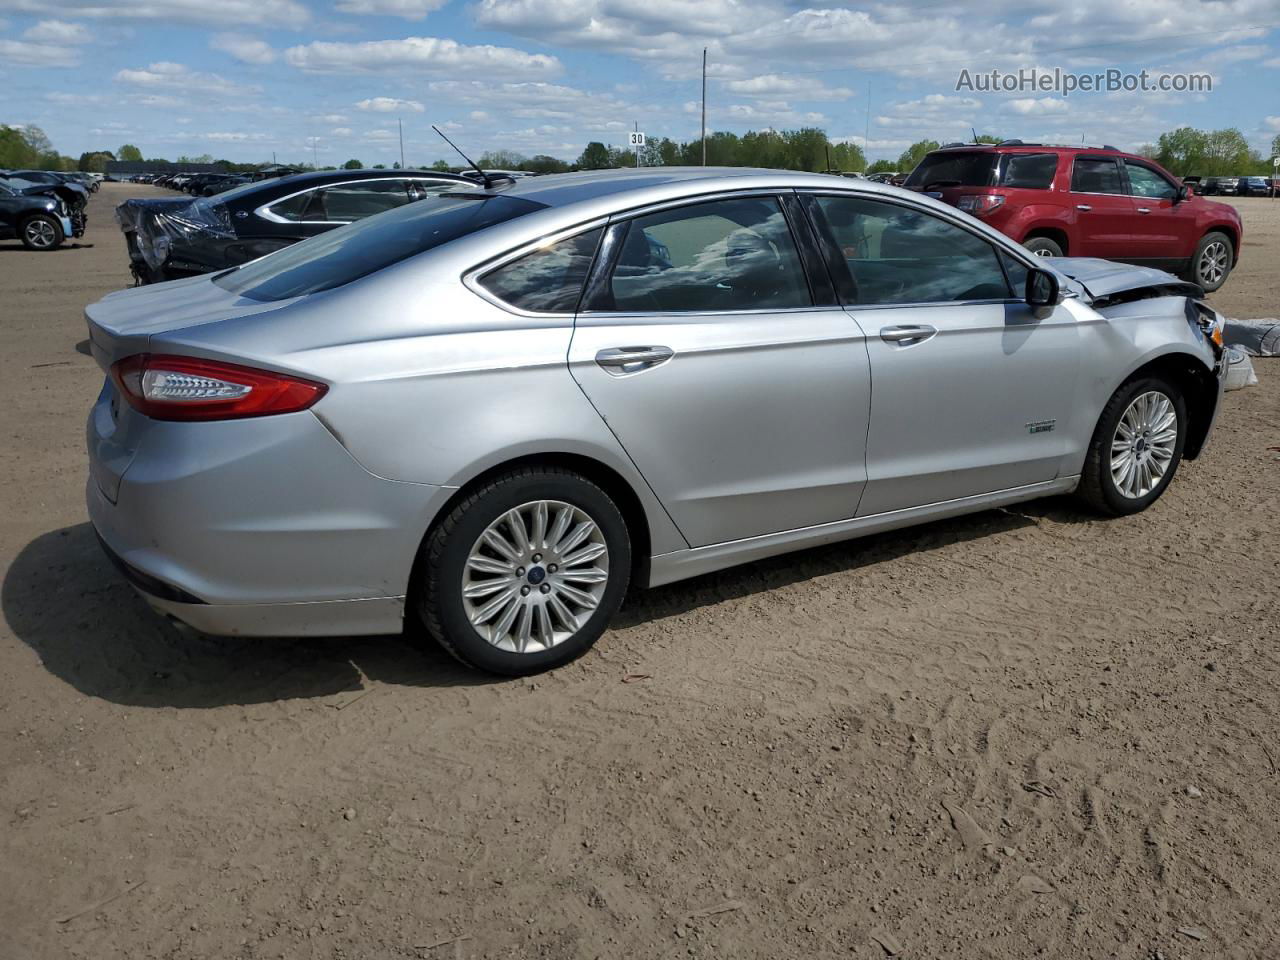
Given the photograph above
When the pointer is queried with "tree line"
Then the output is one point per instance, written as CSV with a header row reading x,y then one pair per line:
x,y
1184,151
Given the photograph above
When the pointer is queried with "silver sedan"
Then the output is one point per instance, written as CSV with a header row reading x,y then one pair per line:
x,y
489,412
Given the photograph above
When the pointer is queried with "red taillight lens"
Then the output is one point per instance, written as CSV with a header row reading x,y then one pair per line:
x,y
188,388
980,204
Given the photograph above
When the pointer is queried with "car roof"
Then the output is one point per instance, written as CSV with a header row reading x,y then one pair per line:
x,y
1031,148
564,189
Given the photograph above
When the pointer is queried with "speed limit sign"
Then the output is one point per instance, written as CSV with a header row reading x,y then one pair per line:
x,y
637,139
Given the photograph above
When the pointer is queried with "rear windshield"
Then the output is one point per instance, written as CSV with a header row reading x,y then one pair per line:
x,y
974,168
981,168
366,246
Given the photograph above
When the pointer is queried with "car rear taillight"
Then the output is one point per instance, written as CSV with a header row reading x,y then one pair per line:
x,y
980,204
189,388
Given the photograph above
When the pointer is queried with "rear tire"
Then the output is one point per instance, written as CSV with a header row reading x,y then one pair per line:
x,y
1043,247
41,232
524,573
1213,261
1136,447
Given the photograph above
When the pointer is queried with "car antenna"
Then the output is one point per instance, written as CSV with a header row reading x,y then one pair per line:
x,y
975,134
484,177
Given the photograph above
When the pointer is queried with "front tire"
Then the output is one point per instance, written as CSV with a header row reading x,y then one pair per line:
x,y
1043,247
524,573
1136,447
1213,261
41,232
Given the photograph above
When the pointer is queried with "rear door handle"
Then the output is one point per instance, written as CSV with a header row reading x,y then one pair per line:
x,y
907,334
620,360
1083,206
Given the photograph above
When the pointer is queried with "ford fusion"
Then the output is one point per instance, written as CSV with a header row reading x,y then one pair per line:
x,y
490,411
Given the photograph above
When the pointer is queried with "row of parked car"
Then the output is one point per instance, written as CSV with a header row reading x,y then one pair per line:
x,y
1234,186
195,184
44,208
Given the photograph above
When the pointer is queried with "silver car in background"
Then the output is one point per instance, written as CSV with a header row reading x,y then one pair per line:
x,y
491,411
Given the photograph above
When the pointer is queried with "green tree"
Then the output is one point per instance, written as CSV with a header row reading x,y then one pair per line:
x,y
129,153
352,164
594,157
848,157
16,152
1183,151
914,154
502,160
95,161
541,163
1275,146
441,165
882,166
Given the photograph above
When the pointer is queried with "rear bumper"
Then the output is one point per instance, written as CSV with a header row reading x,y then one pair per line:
x,y
258,527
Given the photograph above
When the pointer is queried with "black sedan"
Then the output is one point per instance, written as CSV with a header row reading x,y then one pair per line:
x,y
41,215
171,238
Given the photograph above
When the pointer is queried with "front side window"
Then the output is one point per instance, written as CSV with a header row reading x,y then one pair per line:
x,y
733,254
897,254
547,280
1096,175
1145,182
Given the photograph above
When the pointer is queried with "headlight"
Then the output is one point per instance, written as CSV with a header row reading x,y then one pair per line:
x,y
1211,322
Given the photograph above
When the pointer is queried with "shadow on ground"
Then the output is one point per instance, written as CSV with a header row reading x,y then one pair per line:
x,y
65,600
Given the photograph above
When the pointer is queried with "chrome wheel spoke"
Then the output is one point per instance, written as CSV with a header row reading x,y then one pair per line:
x,y
535,575
1143,445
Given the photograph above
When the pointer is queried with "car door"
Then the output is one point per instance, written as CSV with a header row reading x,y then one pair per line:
x,y
1166,229
8,210
725,368
1104,212
967,383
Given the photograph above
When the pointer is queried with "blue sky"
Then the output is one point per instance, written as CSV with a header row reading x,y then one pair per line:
x,y
242,79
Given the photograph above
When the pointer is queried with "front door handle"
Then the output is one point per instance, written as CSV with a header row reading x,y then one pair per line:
x,y
1083,206
907,334
620,360
1144,209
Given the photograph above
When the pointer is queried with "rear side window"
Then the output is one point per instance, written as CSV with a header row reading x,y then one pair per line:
x,y
1029,171
734,254
548,280
345,202
367,246
965,168
1100,175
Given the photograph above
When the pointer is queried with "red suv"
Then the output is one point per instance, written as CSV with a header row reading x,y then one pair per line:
x,y
1087,202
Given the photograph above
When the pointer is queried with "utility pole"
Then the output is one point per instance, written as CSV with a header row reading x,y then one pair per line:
x,y
637,129
401,125
866,132
704,106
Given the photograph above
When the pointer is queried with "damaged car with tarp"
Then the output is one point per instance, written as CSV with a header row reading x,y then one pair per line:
x,y
171,237
42,215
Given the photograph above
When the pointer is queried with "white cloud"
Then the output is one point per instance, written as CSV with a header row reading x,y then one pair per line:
x,y
330,118
420,54
57,31
1033,105
1272,123
389,105
18,53
243,48
340,132
165,75
408,9
284,13
778,85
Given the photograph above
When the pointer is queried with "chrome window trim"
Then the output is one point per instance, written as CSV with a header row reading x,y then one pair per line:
x,y
471,277
265,212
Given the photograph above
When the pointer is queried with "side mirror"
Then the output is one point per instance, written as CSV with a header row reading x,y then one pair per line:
x,y
1183,193
1043,291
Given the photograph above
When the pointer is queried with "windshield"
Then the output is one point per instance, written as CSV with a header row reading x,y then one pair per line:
x,y
973,168
366,246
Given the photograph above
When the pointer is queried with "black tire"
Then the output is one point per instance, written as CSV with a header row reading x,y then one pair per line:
x,y
1097,485
41,232
443,560
1200,272
1043,247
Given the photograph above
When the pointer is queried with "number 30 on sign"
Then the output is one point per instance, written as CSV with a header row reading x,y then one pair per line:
x,y
637,139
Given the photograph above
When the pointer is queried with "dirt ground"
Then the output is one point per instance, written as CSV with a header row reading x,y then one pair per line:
x,y
1025,733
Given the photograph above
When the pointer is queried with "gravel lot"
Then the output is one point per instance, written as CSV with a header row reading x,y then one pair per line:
x,y
1022,733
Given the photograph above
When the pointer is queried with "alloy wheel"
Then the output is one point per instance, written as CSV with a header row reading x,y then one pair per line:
x,y
1143,444
41,233
1213,262
535,575
1043,252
